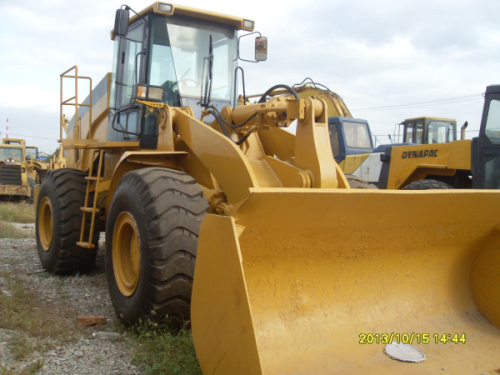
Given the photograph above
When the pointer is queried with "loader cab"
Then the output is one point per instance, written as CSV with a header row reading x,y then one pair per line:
x,y
428,130
173,55
349,136
485,160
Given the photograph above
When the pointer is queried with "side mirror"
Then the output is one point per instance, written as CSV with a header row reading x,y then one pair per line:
x,y
121,22
261,48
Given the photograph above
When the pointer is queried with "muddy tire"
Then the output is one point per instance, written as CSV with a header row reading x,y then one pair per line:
x,y
151,241
427,185
59,220
31,183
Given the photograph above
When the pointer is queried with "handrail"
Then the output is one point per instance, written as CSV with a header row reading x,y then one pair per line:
x,y
76,104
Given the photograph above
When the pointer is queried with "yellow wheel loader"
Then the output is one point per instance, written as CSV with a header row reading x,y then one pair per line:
x,y
213,212
36,167
15,182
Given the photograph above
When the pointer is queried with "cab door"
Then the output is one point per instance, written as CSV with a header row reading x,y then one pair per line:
x,y
127,70
486,147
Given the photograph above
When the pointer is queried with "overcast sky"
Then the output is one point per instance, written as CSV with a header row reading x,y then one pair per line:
x,y
374,54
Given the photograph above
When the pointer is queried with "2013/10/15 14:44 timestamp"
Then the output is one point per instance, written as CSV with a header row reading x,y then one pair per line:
x,y
410,338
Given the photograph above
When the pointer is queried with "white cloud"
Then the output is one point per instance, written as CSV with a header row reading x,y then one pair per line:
x,y
372,53
30,97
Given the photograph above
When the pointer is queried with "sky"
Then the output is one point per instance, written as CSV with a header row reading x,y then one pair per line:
x,y
389,60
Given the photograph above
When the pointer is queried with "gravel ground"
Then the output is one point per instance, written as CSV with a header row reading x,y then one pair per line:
x,y
66,296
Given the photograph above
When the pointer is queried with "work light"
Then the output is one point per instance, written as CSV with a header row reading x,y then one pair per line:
x,y
147,92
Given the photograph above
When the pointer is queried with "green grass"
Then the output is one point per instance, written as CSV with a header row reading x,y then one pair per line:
x,y
31,369
160,351
38,328
21,311
9,231
16,213
21,212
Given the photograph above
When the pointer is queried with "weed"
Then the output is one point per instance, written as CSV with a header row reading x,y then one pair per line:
x,y
9,231
31,369
21,212
21,310
20,346
161,351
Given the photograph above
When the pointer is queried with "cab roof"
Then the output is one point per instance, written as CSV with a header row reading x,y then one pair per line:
x,y
237,22
431,118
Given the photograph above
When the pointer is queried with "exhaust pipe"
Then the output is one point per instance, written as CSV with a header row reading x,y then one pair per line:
x,y
462,130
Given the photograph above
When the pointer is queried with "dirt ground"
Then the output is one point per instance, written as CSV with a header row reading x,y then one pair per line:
x,y
57,301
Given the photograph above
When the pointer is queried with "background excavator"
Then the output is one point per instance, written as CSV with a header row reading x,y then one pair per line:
x,y
293,267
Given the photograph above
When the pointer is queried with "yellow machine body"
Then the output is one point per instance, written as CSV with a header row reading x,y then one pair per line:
x,y
13,141
293,266
296,280
413,163
36,167
13,170
449,162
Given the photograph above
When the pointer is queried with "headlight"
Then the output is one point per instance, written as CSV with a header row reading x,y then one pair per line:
x,y
247,24
165,8
147,92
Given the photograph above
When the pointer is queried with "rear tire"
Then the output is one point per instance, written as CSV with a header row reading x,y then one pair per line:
x,y
427,185
151,240
59,220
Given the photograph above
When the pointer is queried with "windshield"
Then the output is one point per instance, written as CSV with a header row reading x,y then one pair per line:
x,y
31,153
492,129
11,153
408,131
357,135
179,55
440,132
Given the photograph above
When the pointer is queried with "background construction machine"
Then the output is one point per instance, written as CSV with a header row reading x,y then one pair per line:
x,y
431,158
14,141
36,167
292,266
14,179
425,130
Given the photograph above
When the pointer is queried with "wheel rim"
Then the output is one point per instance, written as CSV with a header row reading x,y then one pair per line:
x,y
45,223
126,252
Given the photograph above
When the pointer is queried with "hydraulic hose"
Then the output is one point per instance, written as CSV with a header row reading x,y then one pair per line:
x,y
292,91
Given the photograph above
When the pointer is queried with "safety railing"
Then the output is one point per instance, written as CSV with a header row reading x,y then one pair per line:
x,y
73,101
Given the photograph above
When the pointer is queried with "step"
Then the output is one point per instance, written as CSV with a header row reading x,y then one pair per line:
x,y
89,209
85,245
94,178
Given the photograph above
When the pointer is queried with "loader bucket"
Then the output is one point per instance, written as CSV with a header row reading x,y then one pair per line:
x,y
299,279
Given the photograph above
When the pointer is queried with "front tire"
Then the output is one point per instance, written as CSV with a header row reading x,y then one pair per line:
x,y
427,185
59,220
151,241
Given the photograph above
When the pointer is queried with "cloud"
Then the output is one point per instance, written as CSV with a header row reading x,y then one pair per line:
x,y
372,53
30,97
